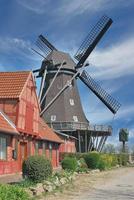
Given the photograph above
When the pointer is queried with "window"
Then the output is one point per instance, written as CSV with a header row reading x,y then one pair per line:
x,y
3,148
75,118
53,117
36,148
44,148
71,102
40,145
50,151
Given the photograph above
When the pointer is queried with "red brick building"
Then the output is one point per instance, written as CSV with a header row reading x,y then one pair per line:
x,y
22,131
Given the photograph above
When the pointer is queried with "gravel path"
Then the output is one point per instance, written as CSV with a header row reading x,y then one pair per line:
x,y
112,185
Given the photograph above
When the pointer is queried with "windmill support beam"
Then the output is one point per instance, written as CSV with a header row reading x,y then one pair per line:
x,y
79,140
90,142
96,141
42,84
102,145
86,141
61,65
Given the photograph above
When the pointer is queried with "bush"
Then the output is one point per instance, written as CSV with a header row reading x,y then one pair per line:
x,y
106,161
69,163
37,168
71,155
122,159
81,163
12,192
114,160
92,160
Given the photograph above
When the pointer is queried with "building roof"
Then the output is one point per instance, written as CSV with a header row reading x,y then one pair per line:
x,y
46,133
65,135
6,125
12,83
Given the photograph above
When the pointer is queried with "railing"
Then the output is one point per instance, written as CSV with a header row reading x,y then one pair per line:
x,y
69,126
74,126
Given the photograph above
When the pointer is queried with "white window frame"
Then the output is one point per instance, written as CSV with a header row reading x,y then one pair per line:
x,y
3,148
75,118
53,118
71,102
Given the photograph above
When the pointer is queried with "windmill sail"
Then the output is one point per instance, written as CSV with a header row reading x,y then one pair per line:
x,y
44,45
108,100
92,39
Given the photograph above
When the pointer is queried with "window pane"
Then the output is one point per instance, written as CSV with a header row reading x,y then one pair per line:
x,y
3,148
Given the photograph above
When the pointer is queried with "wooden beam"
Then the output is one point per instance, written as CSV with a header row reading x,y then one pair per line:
x,y
85,141
79,139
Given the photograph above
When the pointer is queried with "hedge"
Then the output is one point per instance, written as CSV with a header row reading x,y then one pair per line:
x,y
92,160
37,168
99,160
69,163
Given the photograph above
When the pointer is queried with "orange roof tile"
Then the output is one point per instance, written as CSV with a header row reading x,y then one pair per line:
x,y
6,125
12,83
46,133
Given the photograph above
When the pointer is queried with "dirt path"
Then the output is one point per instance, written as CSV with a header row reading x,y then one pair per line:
x,y
112,185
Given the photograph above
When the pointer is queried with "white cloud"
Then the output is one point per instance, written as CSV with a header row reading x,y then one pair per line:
x,y
71,7
37,6
75,7
126,112
115,61
17,46
102,115
131,133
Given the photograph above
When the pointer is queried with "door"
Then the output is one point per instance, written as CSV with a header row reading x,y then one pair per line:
x,y
29,118
23,152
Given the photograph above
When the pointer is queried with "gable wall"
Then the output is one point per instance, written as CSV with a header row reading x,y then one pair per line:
x,y
28,112
10,108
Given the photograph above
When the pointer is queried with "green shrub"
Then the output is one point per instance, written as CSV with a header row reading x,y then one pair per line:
x,y
11,192
25,183
102,165
69,163
122,159
92,160
114,160
37,168
72,155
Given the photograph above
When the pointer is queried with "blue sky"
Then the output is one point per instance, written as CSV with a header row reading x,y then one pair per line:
x,y
65,23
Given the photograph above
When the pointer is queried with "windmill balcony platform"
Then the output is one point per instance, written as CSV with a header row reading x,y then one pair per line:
x,y
94,130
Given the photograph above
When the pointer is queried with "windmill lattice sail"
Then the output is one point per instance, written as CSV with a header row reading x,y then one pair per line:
x,y
44,45
92,39
107,99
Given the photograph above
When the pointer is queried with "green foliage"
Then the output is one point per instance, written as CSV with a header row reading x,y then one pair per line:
x,y
123,135
82,166
37,168
69,163
122,159
26,183
114,160
81,163
92,159
71,155
109,148
11,192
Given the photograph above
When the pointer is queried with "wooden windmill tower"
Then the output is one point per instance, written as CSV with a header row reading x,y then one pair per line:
x,y
59,98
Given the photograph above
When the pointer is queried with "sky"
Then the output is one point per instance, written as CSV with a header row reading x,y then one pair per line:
x,y
66,23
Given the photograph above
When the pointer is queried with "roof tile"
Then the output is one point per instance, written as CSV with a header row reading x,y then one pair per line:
x,y
12,83
46,133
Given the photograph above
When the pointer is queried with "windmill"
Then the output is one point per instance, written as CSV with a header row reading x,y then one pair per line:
x,y
59,97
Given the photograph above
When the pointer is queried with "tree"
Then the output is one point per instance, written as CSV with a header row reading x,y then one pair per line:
x,y
109,148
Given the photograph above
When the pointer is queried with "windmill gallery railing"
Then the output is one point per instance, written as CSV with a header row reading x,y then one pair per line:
x,y
74,126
